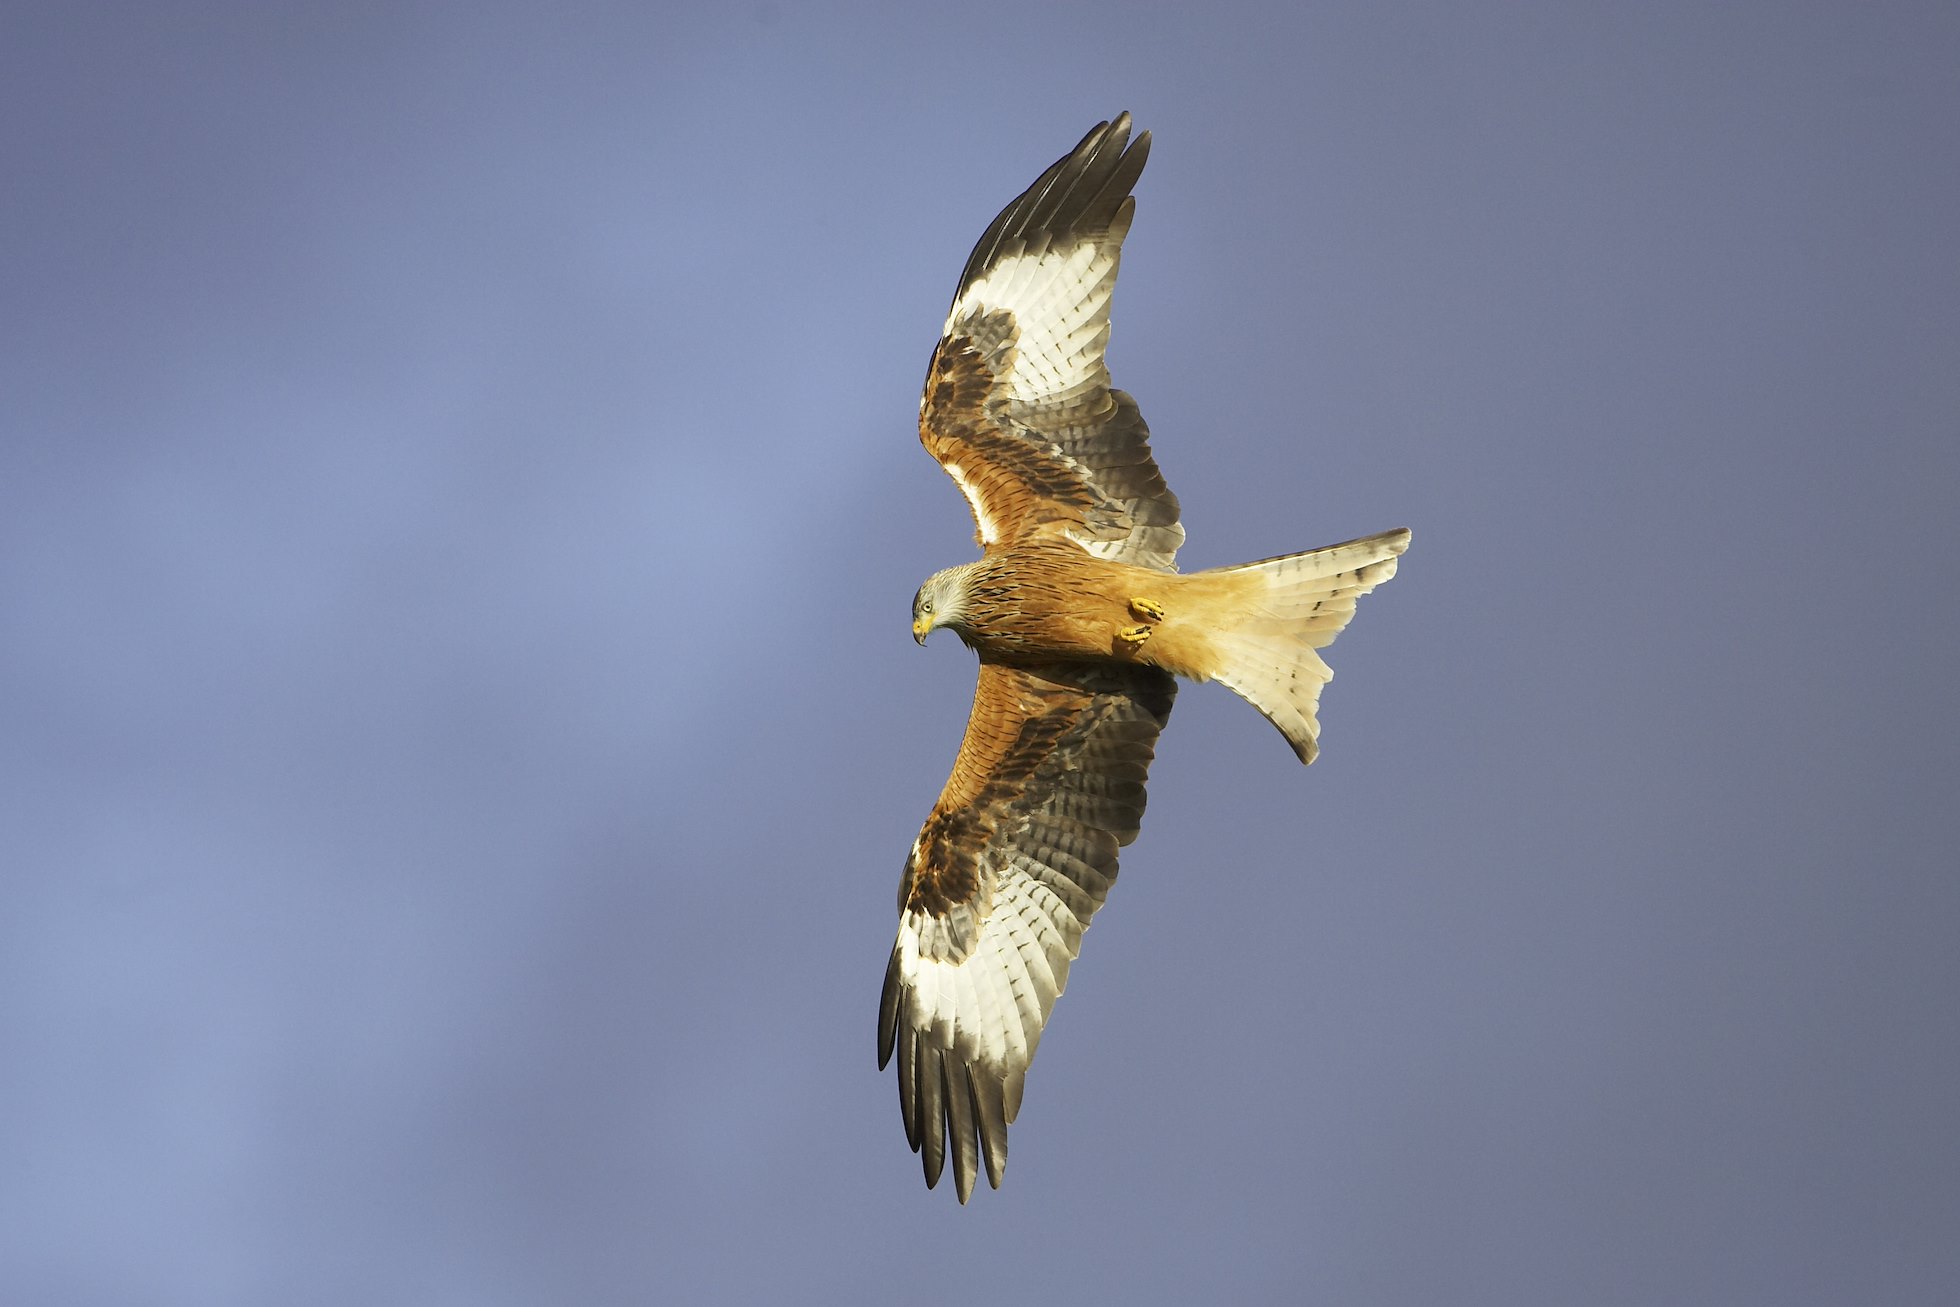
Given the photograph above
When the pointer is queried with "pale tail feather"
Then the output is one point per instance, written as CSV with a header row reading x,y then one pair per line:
x,y
1283,609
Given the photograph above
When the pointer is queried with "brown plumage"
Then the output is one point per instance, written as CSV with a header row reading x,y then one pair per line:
x,y
1081,624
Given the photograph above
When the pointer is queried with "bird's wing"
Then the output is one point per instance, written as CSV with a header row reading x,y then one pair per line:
x,y
1017,856
1017,404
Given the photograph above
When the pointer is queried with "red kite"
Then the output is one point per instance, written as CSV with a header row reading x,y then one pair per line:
x,y
1081,624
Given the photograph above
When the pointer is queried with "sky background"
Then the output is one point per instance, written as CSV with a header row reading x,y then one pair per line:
x,y
460,732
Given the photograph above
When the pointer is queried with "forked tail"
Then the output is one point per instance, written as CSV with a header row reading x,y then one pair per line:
x,y
1280,611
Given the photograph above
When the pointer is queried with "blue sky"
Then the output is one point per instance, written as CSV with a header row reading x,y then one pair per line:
x,y
460,731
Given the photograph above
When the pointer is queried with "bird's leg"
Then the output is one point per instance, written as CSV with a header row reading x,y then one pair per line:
x,y
1151,612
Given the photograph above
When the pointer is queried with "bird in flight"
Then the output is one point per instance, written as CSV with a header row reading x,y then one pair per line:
x,y
1081,623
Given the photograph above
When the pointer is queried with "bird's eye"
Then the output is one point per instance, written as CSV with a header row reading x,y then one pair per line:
x,y
926,607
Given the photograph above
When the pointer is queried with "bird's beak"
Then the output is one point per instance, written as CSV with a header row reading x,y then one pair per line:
x,y
920,630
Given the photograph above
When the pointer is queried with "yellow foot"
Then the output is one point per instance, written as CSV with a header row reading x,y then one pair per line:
x,y
1148,609
1134,635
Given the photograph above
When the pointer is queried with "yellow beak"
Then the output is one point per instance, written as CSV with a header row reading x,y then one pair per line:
x,y
920,630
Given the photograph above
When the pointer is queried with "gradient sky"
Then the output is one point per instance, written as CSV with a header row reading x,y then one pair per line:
x,y
460,734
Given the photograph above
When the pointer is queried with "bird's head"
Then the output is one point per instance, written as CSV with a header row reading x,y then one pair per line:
x,y
941,601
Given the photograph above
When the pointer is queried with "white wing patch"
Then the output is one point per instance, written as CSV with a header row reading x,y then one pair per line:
x,y
1060,303
1109,549
989,532
995,1002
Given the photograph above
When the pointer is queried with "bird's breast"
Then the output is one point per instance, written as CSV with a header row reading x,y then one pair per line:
x,y
1054,601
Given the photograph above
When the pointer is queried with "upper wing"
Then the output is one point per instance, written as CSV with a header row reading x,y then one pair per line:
x,y
1017,404
1017,856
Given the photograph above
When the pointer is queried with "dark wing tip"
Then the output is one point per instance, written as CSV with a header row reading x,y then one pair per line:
x,y
965,1144
947,1104
990,1111
929,1101
888,1011
954,1111
1084,191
